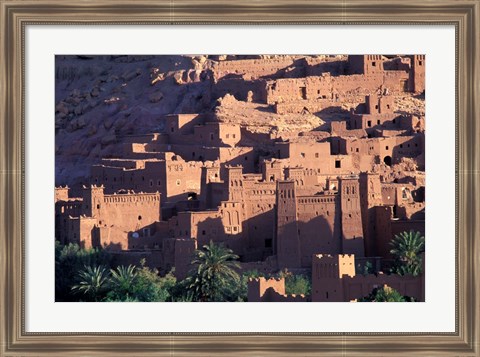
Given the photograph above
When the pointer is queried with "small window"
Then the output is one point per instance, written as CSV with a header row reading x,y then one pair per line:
x,y
386,147
374,64
302,154
139,218
172,129
401,146
369,123
203,232
211,136
268,243
233,136
98,206
178,182
420,63
356,149
316,155
338,164
378,122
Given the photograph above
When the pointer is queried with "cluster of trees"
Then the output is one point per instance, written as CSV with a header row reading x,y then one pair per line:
x,y
87,275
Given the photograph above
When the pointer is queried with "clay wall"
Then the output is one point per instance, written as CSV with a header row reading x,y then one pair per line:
x,y
107,220
148,237
303,106
181,179
184,254
181,124
259,211
343,128
217,134
147,176
272,170
287,240
352,232
254,68
418,69
302,151
379,104
79,230
371,121
318,226
153,258
240,87
271,290
61,194
334,279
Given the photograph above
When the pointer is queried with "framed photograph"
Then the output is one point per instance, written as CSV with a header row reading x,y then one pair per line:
x,y
213,178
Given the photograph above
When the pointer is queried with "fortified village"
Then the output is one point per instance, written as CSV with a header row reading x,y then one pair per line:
x,y
309,163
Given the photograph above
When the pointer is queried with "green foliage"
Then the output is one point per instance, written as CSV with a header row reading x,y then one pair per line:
x,y
368,268
407,248
121,284
69,260
93,281
214,277
296,283
149,286
85,274
384,294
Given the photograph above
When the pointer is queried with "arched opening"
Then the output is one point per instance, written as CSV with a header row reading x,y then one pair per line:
x,y
387,160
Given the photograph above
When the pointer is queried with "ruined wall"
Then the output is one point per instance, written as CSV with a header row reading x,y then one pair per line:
x,y
240,89
254,68
271,290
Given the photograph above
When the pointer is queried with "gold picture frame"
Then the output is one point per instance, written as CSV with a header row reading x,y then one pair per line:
x,y
16,14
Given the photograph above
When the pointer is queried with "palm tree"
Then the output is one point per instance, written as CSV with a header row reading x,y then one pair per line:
x,y
407,248
122,280
214,277
92,282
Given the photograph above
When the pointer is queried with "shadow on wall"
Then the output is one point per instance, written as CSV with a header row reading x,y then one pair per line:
x,y
298,240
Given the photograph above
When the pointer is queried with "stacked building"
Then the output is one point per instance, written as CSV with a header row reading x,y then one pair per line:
x,y
339,193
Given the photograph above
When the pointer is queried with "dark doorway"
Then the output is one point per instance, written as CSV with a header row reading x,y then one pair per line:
x,y
387,160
